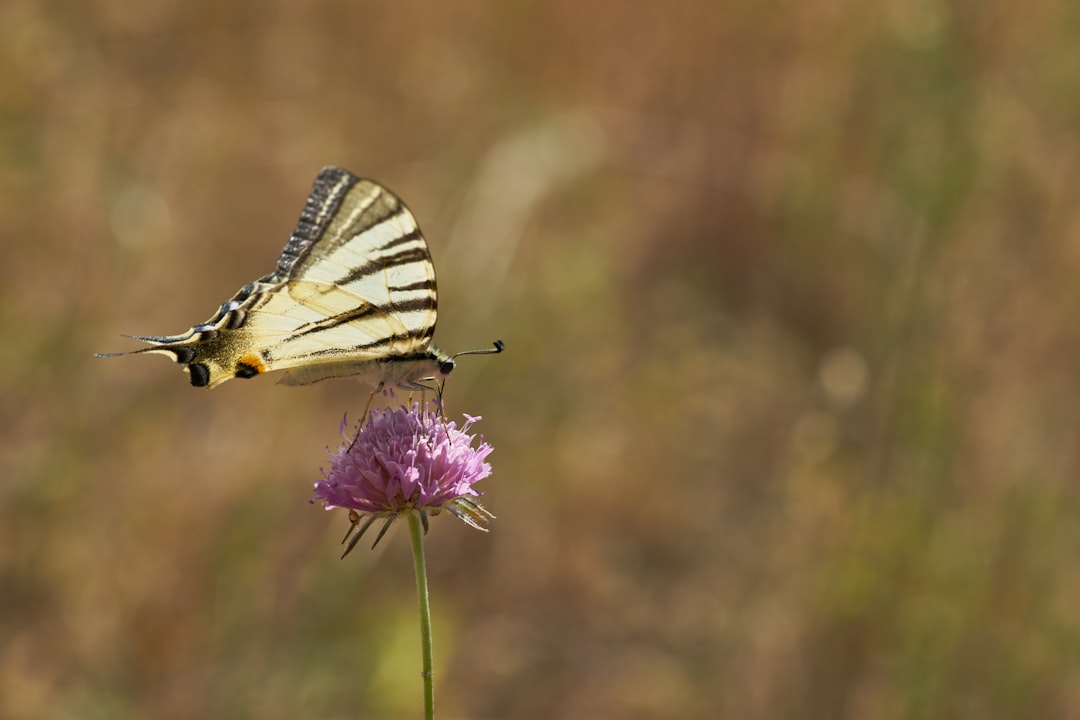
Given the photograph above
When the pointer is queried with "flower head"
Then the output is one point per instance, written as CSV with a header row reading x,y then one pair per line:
x,y
402,461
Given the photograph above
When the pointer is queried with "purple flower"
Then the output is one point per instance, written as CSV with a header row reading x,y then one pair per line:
x,y
404,461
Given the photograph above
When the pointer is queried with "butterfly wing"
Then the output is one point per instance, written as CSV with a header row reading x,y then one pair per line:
x,y
360,280
353,294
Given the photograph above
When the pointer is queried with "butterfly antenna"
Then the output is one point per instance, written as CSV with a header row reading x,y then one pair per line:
x,y
499,347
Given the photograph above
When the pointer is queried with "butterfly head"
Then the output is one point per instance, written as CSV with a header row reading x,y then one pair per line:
x,y
446,363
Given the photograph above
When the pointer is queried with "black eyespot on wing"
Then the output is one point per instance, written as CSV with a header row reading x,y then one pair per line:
x,y
184,355
200,374
244,370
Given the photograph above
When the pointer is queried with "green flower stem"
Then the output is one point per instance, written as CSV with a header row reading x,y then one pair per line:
x,y
425,612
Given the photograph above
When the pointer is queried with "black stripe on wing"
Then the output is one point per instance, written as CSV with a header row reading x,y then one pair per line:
x,y
417,337
365,312
428,284
413,234
381,205
382,262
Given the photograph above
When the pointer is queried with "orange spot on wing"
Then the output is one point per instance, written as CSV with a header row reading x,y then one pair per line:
x,y
254,362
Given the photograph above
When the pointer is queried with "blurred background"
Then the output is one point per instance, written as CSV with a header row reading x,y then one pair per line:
x,y
787,423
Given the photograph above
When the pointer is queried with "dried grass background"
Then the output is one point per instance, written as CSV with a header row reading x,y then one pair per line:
x,y
788,422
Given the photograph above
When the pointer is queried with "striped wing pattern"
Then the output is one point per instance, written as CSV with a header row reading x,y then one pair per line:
x,y
353,294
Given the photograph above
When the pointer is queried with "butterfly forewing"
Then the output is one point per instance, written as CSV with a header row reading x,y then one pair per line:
x,y
367,284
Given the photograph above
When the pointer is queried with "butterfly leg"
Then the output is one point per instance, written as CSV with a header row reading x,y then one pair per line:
x,y
422,388
436,388
441,409
439,387
439,399
363,418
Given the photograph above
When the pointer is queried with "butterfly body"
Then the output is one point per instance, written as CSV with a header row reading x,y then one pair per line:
x,y
353,294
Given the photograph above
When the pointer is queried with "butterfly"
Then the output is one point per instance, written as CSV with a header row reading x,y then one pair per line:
x,y
353,294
